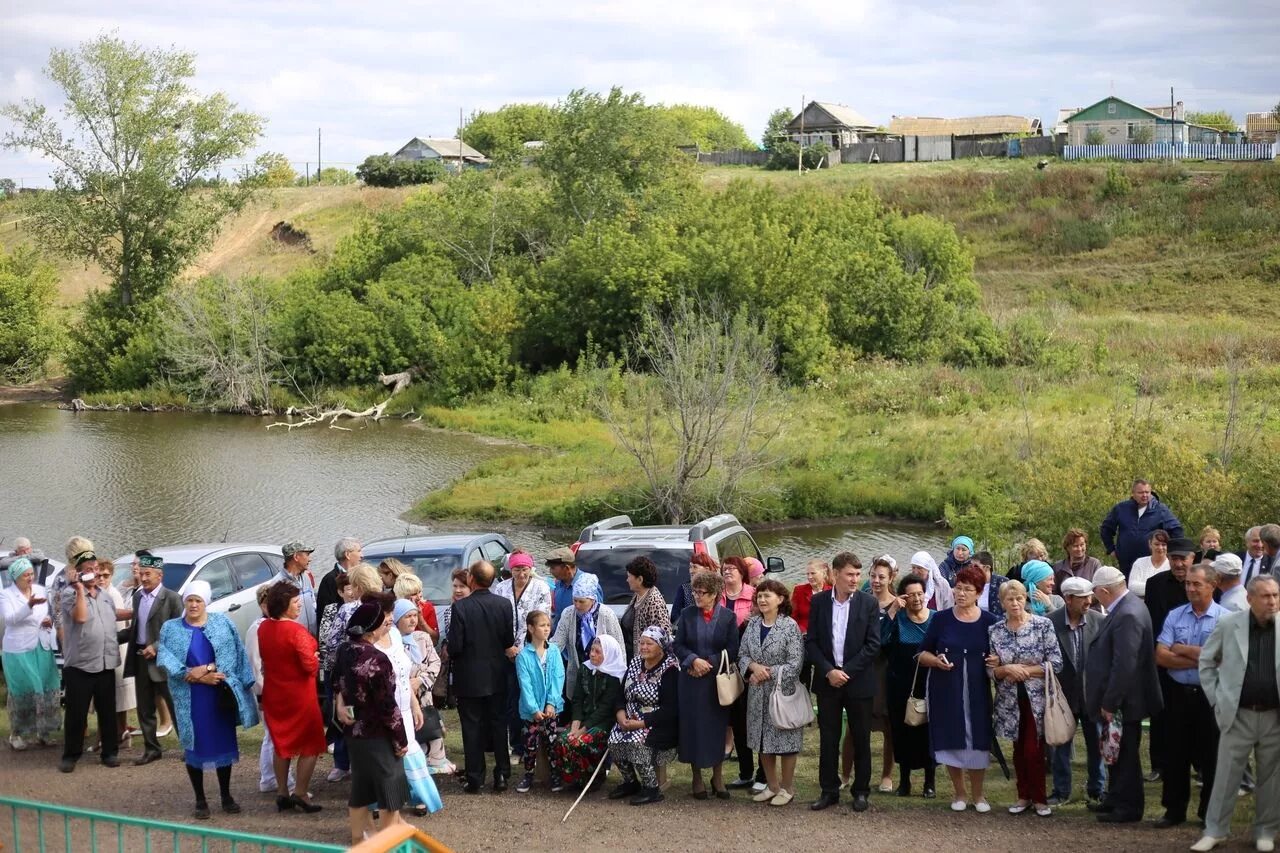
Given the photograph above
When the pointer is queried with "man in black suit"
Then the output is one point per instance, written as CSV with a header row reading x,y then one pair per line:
x,y
1165,592
153,605
842,644
1077,627
1270,536
480,637
1254,556
1120,679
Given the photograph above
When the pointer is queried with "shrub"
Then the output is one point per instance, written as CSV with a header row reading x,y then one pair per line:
x,y
784,155
383,170
1094,137
1116,185
29,333
1077,235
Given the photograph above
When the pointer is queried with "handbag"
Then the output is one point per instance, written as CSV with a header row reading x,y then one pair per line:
x,y
1109,739
226,700
729,684
432,725
1059,721
790,712
917,713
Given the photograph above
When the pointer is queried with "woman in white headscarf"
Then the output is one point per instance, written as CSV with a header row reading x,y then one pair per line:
x,y
577,751
937,591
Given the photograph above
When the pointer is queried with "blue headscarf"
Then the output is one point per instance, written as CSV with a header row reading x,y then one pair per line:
x,y
19,567
587,586
963,540
1034,571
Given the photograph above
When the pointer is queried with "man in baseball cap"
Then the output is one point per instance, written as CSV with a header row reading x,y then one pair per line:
x,y
1076,625
1229,568
562,563
297,571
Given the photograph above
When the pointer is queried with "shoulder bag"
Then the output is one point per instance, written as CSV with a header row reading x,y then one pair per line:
x,y
729,684
917,713
790,712
1059,722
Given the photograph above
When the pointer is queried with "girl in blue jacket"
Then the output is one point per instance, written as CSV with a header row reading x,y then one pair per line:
x,y
541,676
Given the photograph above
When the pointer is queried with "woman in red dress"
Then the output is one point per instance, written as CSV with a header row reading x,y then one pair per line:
x,y
290,661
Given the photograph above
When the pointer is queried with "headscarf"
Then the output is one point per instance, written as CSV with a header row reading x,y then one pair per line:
x,y
925,560
403,608
1034,571
587,586
520,561
615,659
893,564
755,568
658,634
200,590
963,540
19,567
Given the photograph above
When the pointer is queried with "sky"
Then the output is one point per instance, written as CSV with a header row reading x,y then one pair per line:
x,y
374,74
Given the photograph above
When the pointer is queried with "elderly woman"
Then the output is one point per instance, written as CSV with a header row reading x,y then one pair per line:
x,y
1077,563
901,635
422,790
425,670
211,683
580,625
1032,549
884,569
698,564
377,734
1038,581
953,650
959,557
738,594
1022,646
290,661
1144,568
817,578
577,751
645,732
30,670
528,594
647,606
706,632
771,655
1210,540
937,589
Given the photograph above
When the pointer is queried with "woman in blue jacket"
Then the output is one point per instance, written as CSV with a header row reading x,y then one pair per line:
x,y
541,677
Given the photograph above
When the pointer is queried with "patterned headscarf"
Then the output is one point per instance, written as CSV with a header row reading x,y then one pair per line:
x,y
658,634
19,567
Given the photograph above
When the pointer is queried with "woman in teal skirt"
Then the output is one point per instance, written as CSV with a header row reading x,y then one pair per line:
x,y
30,672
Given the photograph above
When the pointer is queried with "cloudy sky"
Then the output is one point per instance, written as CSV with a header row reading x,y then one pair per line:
x,y
374,74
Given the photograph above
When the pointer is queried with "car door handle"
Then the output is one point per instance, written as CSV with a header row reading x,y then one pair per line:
x,y
233,608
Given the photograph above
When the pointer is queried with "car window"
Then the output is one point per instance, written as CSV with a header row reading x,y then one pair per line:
x,y
434,570
610,566
733,545
218,575
494,551
473,556
175,575
276,562
251,570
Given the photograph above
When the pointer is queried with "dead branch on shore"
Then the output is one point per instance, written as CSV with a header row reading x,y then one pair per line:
x,y
312,415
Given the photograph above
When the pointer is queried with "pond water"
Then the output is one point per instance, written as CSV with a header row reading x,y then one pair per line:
x,y
135,480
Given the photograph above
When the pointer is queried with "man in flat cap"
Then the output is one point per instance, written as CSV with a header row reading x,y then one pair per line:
x,y
297,571
1076,626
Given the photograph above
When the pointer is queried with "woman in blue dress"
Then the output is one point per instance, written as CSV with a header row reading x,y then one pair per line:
x,y
959,693
211,682
901,635
705,631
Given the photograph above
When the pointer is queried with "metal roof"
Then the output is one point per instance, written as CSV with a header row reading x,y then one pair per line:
x,y
444,543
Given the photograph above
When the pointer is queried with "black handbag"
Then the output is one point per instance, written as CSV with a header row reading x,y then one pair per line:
x,y
226,701
432,725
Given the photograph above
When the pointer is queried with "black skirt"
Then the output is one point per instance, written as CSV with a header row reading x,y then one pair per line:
x,y
377,776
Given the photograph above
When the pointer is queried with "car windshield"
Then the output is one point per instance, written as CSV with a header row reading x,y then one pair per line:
x,y
610,566
435,570
176,574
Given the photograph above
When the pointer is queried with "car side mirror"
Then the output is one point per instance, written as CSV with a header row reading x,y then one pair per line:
x,y
774,565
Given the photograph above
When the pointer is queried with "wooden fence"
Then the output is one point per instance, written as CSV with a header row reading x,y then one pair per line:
x,y
736,157
1166,151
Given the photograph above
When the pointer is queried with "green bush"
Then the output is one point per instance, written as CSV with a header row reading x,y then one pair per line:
x,y
1116,185
114,347
784,156
1081,235
29,332
383,170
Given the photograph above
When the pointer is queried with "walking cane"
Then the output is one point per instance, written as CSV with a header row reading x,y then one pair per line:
x,y
586,787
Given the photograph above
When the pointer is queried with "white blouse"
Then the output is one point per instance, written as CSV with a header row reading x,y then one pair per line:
x,y
22,631
1141,572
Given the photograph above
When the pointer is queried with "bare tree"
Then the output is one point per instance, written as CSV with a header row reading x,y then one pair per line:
x,y
698,409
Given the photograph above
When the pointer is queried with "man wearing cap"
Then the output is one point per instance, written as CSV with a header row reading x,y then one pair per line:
x,y
1120,681
90,654
562,564
1076,626
1191,736
297,571
1238,671
1231,587
153,605
1166,591
1128,527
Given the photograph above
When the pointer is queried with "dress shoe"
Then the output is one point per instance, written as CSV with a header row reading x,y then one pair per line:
x,y
110,761
824,801
230,806
624,790
1166,822
1206,843
201,811
148,757
470,788
860,803
741,783
646,796
929,792
67,765
1099,807
499,784
1117,817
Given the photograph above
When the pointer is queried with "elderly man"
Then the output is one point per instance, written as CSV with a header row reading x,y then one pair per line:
x,y
562,564
1166,591
1128,527
1120,681
1270,536
1191,734
297,571
1076,626
1238,670
1230,586
1253,557
347,554
91,652
153,605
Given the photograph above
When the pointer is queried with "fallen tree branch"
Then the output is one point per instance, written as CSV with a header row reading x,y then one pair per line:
x,y
313,415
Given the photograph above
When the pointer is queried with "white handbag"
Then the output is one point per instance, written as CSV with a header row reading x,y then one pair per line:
x,y
1059,722
729,684
790,712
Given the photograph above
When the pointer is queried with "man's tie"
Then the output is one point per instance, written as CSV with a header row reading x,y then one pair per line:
x,y
1249,570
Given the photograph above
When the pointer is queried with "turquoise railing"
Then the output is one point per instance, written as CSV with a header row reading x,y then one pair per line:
x,y
42,827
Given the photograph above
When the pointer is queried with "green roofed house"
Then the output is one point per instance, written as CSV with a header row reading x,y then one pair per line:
x,y
1121,123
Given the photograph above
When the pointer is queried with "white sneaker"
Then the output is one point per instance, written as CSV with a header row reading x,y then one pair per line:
x,y
17,743
959,805
1207,842
982,807
1264,845
336,775
759,787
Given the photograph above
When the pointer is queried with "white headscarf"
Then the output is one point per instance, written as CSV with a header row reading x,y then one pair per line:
x,y
200,590
925,560
615,660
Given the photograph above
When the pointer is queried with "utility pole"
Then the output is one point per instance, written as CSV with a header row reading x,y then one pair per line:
x,y
1173,125
800,155
308,183
317,155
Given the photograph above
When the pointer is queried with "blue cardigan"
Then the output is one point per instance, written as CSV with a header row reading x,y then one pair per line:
x,y
536,691
228,655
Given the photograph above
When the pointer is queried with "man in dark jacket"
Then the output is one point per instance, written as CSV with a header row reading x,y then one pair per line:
x,y
1130,523
1120,679
480,635
1165,592
1076,626
152,605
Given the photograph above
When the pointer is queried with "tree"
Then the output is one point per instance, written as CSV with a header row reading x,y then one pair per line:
x,y
1275,112
1218,120
7,187
138,136
706,127
29,332
698,412
500,135
336,177
1094,136
270,171
775,129
1142,135
383,170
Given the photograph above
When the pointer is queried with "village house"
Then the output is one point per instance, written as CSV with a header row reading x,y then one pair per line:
x,y
1261,127
831,124
974,128
1119,122
454,154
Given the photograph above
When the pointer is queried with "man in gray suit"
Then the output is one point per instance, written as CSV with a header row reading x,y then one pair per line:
x,y
1240,678
1076,626
1120,681
153,605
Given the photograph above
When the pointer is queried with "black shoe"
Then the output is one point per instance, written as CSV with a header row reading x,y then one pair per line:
x,y
470,788
499,784
929,792
1117,817
646,796
1099,807
146,758
1153,776
860,803
201,811
824,801
741,783
299,803
110,761
1167,821
284,804
67,765
624,789
230,806
904,790
721,794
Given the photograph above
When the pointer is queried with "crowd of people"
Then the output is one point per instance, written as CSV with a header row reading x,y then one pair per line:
x,y
947,659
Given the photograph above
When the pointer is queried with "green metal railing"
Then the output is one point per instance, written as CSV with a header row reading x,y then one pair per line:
x,y
44,826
